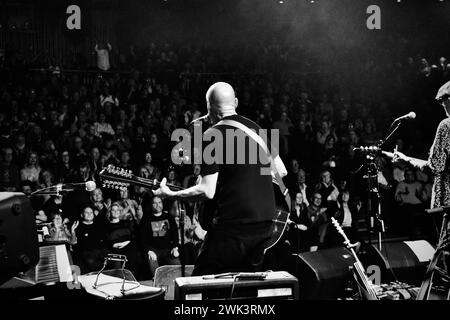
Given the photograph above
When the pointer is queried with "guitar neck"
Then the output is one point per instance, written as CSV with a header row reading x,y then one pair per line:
x,y
149,183
119,178
357,265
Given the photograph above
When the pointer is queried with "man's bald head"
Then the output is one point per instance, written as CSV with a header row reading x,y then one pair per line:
x,y
221,100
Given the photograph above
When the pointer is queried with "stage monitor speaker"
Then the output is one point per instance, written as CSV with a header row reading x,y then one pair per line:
x,y
276,285
323,274
404,261
18,237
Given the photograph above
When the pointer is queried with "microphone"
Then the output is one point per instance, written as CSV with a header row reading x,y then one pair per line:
x,y
88,186
411,115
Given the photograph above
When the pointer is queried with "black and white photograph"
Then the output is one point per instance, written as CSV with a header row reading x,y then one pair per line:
x,y
217,158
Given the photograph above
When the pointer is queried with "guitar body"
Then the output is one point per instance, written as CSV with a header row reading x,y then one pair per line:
x,y
207,210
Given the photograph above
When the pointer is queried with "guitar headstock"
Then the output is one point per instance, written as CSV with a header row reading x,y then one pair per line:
x,y
116,171
116,178
115,185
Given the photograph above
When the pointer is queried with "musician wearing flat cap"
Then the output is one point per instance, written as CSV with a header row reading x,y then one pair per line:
x,y
438,161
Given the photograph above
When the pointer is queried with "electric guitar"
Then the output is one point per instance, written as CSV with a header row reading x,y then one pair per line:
x,y
118,178
363,282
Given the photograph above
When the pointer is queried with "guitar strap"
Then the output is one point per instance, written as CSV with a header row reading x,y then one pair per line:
x,y
261,142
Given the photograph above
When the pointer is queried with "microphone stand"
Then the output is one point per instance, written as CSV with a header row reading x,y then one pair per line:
x,y
376,222
52,191
390,133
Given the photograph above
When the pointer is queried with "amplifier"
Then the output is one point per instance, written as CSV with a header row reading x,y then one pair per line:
x,y
323,274
19,249
275,285
405,261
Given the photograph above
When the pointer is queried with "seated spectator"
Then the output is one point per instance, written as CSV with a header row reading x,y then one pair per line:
x,y
9,172
316,223
192,179
324,132
122,141
120,237
99,205
159,236
347,215
82,173
285,126
32,169
408,194
64,168
51,207
154,172
46,180
20,149
291,177
125,161
89,249
79,154
298,225
60,232
109,152
94,161
172,177
369,136
327,190
131,209
49,157
102,126
300,185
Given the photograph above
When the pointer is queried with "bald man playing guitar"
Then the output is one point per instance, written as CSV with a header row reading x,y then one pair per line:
x,y
243,197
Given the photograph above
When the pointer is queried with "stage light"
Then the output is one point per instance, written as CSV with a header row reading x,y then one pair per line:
x,y
281,2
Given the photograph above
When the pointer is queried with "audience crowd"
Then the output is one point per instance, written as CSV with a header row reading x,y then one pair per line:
x,y
64,127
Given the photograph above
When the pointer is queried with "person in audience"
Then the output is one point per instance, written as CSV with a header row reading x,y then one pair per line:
x,y
131,209
59,230
121,237
64,168
78,118
316,223
409,195
99,205
9,172
32,169
153,172
347,215
89,248
159,236
298,225
103,56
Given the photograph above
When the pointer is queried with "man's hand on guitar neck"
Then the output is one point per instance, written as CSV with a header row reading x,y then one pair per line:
x,y
163,191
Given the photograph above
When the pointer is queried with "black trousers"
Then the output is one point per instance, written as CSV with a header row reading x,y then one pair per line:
x,y
233,248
